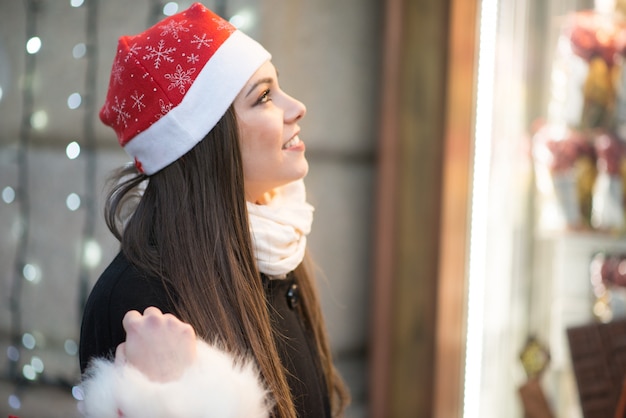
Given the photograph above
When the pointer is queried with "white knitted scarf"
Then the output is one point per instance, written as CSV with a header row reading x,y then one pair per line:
x,y
279,229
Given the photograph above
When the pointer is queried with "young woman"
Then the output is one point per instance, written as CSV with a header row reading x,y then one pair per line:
x,y
212,220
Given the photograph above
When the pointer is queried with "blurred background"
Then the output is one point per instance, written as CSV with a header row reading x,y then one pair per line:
x,y
467,166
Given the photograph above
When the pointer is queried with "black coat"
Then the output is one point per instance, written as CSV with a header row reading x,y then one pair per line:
x,y
122,288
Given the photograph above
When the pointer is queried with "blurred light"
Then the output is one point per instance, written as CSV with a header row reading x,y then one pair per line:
x,y
28,341
33,45
602,311
29,372
72,201
37,364
170,8
604,6
31,273
77,3
77,393
13,353
8,194
71,347
0,93
244,19
92,254
14,402
74,101
479,210
79,50
39,119
72,150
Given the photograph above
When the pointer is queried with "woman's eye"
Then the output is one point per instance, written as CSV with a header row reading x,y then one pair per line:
x,y
265,97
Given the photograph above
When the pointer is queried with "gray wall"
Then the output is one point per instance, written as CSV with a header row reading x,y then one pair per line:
x,y
327,53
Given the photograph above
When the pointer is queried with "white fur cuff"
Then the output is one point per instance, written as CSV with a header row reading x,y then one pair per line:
x,y
215,386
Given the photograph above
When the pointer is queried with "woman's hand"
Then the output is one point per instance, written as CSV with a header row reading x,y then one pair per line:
x,y
158,345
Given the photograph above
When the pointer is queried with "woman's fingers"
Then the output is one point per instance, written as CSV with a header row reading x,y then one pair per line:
x,y
131,319
159,345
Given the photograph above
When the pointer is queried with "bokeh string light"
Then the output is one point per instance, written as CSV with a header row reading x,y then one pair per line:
x,y
21,370
21,269
21,190
89,151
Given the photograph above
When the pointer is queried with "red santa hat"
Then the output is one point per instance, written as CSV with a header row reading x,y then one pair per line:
x,y
171,84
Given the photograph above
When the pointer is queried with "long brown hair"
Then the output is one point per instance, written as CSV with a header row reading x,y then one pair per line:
x,y
190,229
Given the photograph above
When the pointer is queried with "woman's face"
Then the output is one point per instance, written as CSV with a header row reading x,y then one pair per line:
x,y
272,152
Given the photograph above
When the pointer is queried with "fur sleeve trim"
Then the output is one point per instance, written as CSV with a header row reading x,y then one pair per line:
x,y
217,385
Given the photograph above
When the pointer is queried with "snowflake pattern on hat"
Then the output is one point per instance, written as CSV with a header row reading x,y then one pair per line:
x,y
132,51
163,62
174,27
137,101
154,71
180,78
122,116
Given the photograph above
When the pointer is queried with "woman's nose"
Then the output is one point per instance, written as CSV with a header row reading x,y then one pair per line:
x,y
294,109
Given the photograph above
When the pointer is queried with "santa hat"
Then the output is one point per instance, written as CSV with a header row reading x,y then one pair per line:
x,y
171,84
